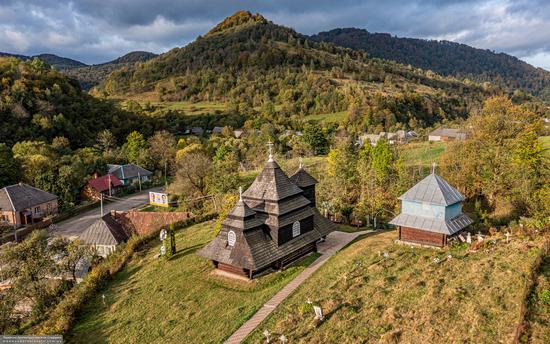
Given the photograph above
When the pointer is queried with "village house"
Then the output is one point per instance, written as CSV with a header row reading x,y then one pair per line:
x,y
398,137
431,213
273,223
108,184
217,130
197,131
22,204
445,135
130,174
238,133
104,235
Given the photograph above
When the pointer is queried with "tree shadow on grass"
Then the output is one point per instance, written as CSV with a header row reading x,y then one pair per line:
x,y
186,251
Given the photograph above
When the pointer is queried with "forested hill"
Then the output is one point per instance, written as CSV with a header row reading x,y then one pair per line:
x,y
87,75
57,62
39,103
446,58
90,76
248,60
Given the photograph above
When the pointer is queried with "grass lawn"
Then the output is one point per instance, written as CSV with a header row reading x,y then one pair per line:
x,y
334,117
545,143
176,301
422,153
408,298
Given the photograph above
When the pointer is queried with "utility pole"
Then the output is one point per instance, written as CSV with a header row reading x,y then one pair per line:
x,y
139,181
165,175
101,203
110,193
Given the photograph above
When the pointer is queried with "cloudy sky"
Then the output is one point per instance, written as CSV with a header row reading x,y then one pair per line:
x,y
95,31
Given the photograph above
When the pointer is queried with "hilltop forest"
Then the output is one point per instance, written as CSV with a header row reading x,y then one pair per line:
x,y
446,58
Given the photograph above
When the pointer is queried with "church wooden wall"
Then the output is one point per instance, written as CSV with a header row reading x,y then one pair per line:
x,y
285,233
232,269
419,236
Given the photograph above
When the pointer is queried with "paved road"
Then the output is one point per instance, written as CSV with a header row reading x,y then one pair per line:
x,y
72,227
335,241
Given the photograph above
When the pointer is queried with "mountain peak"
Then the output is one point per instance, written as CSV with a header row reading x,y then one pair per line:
x,y
237,20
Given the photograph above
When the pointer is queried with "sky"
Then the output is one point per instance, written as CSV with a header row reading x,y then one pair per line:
x,y
96,31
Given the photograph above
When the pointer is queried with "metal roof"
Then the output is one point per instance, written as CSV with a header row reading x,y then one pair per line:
x,y
435,190
23,196
447,132
128,171
448,227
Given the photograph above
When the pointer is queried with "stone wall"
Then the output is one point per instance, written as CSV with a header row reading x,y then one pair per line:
x,y
144,223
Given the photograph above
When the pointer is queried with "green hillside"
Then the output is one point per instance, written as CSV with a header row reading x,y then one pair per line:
x,y
445,58
253,63
90,76
38,103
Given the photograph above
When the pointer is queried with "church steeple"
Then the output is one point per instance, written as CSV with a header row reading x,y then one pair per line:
x,y
304,181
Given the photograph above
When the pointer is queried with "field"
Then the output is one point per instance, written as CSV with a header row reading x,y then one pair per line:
x,y
334,117
176,301
421,153
192,108
410,298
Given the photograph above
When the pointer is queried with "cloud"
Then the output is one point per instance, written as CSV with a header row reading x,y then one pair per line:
x,y
95,31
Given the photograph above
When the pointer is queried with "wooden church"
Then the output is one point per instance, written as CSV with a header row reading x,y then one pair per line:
x,y
273,223
431,213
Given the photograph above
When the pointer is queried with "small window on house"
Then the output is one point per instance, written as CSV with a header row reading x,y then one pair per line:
x,y
295,229
231,238
37,210
49,206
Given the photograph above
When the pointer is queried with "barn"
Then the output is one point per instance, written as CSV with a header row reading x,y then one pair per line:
x,y
431,213
273,223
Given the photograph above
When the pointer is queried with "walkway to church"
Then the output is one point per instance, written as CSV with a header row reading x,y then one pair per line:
x,y
335,241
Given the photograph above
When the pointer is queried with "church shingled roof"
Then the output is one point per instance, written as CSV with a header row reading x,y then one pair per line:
x,y
271,185
303,179
433,189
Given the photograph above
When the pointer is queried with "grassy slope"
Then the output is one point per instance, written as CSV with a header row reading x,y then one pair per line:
x,y
545,143
472,297
421,153
334,117
192,108
154,301
538,317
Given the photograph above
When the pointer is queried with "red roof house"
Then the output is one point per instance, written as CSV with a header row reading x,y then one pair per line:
x,y
100,185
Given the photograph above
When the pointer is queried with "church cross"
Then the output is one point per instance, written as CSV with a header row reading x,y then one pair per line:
x,y
270,148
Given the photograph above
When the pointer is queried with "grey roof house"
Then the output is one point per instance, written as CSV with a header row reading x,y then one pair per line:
x,y
431,212
274,222
104,235
22,204
445,134
130,173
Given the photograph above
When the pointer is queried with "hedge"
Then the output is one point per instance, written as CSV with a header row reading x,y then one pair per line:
x,y
60,319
